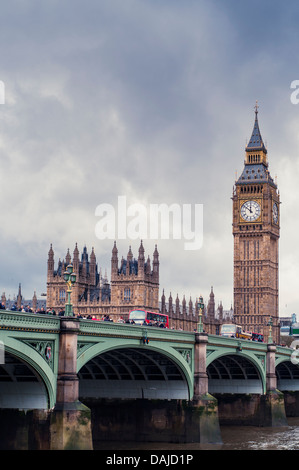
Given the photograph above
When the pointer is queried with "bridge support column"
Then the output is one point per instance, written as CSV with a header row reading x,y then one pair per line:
x,y
274,401
205,427
70,426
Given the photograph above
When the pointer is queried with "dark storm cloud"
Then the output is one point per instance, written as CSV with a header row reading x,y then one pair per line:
x,y
152,100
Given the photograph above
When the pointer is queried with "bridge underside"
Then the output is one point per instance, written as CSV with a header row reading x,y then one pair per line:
x,y
287,376
20,386
132,373
234,374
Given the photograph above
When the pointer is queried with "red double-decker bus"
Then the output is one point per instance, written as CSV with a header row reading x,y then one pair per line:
x,y
144,317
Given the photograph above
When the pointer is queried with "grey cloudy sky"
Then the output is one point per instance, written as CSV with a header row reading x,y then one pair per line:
x,y
151,99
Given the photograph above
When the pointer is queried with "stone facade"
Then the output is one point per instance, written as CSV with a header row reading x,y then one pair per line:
x,y
134,284
185,316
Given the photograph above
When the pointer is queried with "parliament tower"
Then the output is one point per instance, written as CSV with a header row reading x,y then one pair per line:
x,y
134,284
256,226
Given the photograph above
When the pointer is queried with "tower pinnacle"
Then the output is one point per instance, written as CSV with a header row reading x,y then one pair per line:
x,y
256,108
256,143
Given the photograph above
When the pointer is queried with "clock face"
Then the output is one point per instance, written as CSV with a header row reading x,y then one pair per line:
x,y
250,211
275,213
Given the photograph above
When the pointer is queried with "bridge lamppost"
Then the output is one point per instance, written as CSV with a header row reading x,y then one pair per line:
x,y
270,324
200,306
70,278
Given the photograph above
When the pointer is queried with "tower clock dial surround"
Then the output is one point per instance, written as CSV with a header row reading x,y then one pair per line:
x,y
250,211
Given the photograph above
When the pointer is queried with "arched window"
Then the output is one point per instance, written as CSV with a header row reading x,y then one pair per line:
x,y
62,295
127,294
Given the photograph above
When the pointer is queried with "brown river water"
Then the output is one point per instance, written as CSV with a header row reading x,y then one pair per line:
x,y
233,437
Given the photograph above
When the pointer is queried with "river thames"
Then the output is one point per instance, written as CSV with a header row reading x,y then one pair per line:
x,y
233,437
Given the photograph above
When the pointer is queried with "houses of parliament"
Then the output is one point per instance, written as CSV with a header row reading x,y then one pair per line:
x,y
134,281
134,284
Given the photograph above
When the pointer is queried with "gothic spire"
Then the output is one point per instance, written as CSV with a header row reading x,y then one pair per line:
x,y
92,256
256,140
114,260
114,250
141,260
51,252
130,254
68,257
256,160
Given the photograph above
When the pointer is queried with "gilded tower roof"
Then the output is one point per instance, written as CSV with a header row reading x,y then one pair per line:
x,y
256,140
256,164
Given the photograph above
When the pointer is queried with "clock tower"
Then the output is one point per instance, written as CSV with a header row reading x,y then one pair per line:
x,y
256,236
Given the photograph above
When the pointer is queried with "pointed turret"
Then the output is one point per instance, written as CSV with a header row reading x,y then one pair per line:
x,y
256,160
19,298
256,141
163,305
84,263
184,306
114,261
156,264
129,261
92,267
148,266
34,302
177,305
84,256
170,308
51,252
68,257
50,262
76,260
211,305
3,299
141,260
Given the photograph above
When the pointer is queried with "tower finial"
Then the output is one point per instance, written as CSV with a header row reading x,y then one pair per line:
x,y
256,107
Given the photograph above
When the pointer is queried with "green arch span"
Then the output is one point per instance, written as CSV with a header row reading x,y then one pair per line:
x,y
248,355
95,349
31,357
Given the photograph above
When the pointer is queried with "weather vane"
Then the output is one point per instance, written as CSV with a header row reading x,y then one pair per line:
x,y
256,107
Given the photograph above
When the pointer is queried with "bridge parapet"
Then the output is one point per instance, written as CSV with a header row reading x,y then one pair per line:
x,y
28,321
103,328
283,354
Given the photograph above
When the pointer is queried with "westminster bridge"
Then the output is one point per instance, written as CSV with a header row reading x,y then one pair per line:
x,y
152,383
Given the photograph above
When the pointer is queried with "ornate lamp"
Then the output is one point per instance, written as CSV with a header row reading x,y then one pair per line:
x,y
70,278
270,324
200,306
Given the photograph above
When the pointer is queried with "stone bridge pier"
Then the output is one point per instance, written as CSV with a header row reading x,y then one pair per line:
x,y
204,406
70,420
274,400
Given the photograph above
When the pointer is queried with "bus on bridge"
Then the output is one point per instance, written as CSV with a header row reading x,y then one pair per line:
x,y
145,317
229,330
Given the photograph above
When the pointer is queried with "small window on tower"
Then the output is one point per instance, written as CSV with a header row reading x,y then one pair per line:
x,y
62,295
127,295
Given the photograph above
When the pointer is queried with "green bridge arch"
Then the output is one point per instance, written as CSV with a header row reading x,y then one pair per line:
x,y
31,357
255,353
175,350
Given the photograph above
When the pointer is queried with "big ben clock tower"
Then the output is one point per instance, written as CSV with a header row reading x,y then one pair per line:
x,y
256,237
